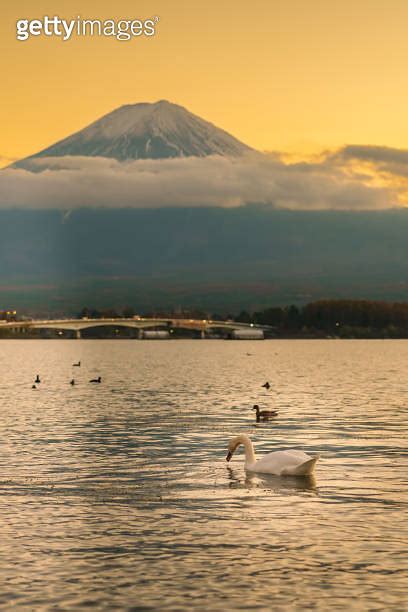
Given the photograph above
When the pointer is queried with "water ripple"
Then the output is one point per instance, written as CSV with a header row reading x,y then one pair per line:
x,y
118,495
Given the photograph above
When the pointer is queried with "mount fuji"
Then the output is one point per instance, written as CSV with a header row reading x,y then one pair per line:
x,y
157,130
99,227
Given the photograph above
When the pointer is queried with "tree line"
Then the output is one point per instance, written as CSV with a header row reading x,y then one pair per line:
x,y
342,318
339,318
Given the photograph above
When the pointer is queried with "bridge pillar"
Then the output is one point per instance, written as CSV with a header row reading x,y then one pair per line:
x,y
78,334
202,334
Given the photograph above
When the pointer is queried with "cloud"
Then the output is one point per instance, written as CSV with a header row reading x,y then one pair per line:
x,y
384,167
72,182
374,154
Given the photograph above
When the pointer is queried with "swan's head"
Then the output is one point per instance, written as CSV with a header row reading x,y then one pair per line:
x,y
256,407
234,443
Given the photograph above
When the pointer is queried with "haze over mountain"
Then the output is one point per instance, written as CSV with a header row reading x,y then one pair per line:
x,y
160,130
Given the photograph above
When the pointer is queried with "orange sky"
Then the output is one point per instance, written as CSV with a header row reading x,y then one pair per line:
x,y
278,74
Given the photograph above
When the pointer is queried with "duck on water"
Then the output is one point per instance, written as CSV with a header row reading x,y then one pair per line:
x,y
264,415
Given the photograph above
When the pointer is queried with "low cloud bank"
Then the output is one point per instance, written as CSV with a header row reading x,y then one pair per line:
x,y
338,182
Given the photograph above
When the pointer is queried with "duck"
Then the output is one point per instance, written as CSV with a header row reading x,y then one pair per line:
x,y
77,365
266,385
96,380
72,382
278,463
264,414
33,387
37,380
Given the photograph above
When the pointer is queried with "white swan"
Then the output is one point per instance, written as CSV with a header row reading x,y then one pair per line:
x,y
279,463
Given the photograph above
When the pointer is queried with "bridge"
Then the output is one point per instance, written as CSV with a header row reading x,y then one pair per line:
x,y
146,327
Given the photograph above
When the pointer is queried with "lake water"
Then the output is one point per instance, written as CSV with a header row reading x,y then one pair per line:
x,y
118,496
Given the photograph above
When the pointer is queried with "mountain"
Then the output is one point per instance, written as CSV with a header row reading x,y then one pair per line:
x,y
146,131
210,258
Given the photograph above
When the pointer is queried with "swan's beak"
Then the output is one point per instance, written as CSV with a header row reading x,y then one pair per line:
x,y
228,457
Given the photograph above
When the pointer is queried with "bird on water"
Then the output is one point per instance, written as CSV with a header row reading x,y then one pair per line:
x,y
266,385
96,380
77,365
37,380
278,463
264,414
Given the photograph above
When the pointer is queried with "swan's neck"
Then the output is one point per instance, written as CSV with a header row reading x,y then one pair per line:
x,y
249,450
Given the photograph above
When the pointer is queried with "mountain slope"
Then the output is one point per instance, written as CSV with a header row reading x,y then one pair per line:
x,y
229,259
146,131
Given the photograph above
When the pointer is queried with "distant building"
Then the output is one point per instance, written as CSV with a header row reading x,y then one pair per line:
x,y
247,334
156,334
8,315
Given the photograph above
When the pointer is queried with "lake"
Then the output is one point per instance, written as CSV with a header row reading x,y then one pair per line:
x,y
118,495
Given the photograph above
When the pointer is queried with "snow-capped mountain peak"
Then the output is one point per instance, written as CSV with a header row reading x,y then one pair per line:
x,y
146,131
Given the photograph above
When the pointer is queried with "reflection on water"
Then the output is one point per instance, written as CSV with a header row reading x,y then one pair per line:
x,y
118,495
247,480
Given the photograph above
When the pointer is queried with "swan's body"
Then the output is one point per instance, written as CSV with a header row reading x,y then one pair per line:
x,y
279,463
